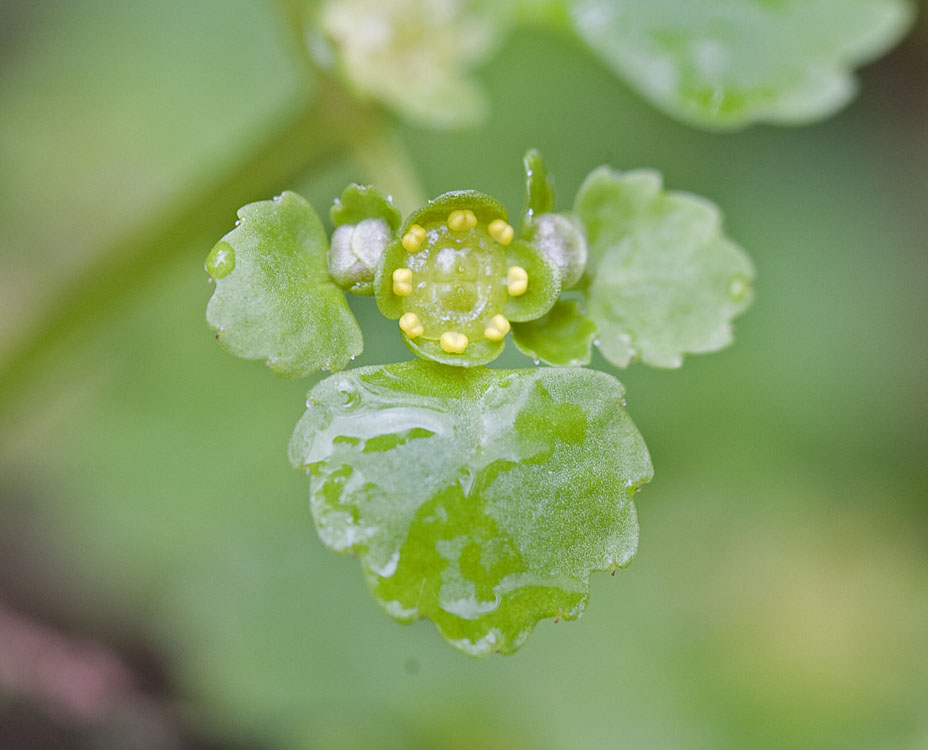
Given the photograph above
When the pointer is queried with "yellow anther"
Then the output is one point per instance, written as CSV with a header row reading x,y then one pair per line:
x,y
453,343
411,325
501,232
461,219
414,239
497,329
516,281
402,282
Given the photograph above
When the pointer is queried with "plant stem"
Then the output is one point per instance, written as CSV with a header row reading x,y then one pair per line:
x,y
314,134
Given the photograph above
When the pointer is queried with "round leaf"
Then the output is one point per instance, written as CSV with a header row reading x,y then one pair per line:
x,y
667,281
478,498
274,298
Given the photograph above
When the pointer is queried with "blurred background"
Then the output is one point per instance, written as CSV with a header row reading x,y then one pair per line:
x,y
161,583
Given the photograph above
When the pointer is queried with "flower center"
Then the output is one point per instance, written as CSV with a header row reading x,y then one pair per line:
x,y
456,281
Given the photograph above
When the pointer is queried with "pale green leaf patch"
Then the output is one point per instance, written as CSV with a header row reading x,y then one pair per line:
x,y
728,63
480,499
274,298
666,281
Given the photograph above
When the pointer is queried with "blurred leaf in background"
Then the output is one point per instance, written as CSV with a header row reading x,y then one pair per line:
x,y
779,594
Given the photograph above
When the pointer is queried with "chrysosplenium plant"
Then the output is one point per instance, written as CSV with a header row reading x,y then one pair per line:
x,y
479,498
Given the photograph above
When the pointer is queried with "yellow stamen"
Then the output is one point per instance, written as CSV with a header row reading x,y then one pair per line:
x,y
402,282
501,231
497,329
414,239
453,343
461,220
411,325
516,281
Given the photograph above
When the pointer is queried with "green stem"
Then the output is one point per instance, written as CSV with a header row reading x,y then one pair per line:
x,y
313,135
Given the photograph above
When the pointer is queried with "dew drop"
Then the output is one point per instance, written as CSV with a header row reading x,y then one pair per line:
x,y
536,361
221,260
277,198
353,357
209,280
351,397
595,342
238,222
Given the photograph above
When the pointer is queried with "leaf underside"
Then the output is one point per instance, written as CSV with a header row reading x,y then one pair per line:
x,y
274,298
480,499
732,62
667,280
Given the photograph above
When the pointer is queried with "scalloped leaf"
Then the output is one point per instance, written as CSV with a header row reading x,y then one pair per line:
x,y
732,62
563,337
274,298
480,499
667,281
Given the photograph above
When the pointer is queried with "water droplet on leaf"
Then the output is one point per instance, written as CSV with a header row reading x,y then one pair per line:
x,y
221,260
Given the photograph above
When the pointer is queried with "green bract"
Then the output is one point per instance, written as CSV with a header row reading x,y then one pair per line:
x,y
274,298
478,498
732,62
666,279
563,337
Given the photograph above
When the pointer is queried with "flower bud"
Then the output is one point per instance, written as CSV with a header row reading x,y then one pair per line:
x,y
561,238
355,253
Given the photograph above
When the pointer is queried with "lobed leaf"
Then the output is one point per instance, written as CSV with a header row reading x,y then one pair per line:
x,y
667,281
480,499
732,62
274,298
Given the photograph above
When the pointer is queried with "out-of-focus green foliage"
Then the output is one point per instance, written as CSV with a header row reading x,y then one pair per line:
x,y
478,498
726,63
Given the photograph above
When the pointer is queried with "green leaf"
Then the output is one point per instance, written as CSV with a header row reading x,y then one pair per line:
x,y
561,338
732,62
667,281
274,298
478,498
539,187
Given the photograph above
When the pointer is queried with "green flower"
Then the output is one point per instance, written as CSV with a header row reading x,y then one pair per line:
x,y
456,275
